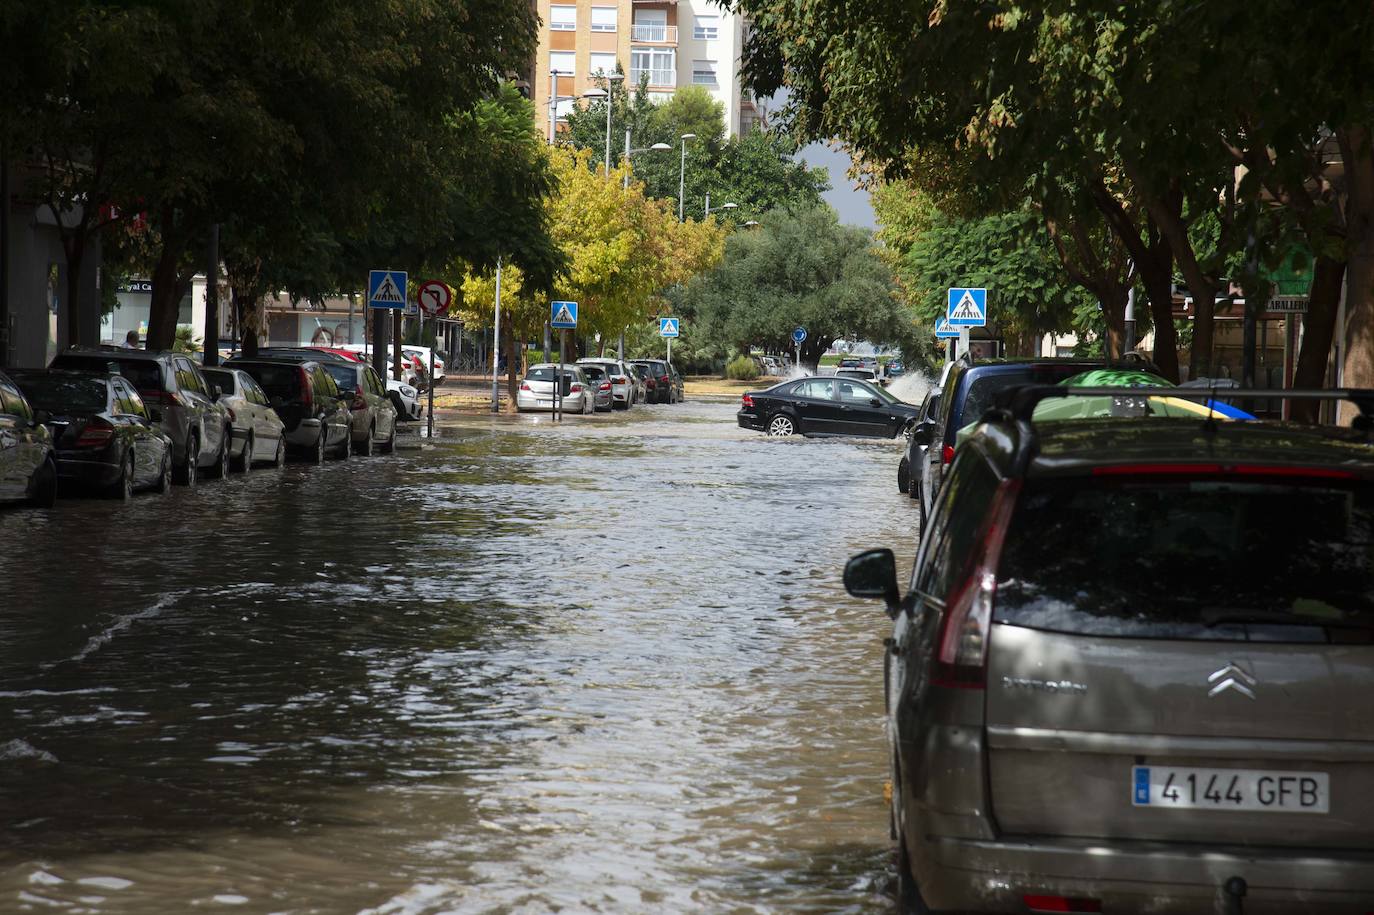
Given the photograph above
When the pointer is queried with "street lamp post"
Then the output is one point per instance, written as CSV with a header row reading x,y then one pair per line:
x,y
682,175
723,206
495,348
630,152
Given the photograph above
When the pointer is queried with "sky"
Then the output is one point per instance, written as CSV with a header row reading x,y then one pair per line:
x,y
850,202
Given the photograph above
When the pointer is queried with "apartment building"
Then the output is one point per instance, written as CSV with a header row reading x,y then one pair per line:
x,y
674,43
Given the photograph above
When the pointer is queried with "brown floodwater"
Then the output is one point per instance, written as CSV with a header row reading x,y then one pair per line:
x,y
604,666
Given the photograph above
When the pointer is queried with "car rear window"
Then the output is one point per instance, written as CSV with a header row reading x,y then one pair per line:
x,y
65,393
345,376
1212,559
985,386
594,372
540,374
282,381
144,374
225,380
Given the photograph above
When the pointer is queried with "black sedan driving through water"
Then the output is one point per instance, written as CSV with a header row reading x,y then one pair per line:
x,y
826,406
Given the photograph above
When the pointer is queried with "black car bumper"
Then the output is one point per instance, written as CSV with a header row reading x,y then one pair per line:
x,y
77,470
749,420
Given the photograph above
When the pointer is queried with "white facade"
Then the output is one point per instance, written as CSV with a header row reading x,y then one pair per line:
x,y
710,40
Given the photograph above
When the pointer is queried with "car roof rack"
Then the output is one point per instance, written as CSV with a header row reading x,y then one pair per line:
x,y
1019,403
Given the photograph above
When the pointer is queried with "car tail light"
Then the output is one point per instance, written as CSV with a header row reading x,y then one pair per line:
x,y
524,386
962,648
575,388
947,454
233,417
1060,904
161,398
97,433
307,392
359,401
747,401
620,379
663,379
605,385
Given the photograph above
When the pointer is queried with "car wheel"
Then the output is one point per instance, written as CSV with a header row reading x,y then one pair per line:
x,y
279,459
123,488
782,424
346,448
221,468
164,477
190,474
245,461
365,449
45,486
904,476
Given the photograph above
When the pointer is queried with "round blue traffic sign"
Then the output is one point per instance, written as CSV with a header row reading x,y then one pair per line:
x,y
799,335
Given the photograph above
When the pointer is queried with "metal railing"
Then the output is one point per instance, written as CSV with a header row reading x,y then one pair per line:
x,y
654,32
656,77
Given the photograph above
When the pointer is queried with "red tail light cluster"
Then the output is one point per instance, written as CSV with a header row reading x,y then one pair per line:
x,y
524,386
947,454
307,392
161,398
359,402
605,385
575,389
97,433
1060,904
747,401
961,658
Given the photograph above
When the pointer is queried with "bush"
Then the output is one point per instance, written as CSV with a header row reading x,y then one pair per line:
x,y
742,368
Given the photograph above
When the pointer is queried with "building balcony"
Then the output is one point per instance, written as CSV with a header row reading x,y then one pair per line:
x,y
653,33
658,79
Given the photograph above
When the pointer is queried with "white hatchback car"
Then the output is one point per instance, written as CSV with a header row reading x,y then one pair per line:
x,y
624,386
536,390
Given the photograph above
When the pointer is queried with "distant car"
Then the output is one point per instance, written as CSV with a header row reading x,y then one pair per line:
x,y
422,353
1130,672
257,429
624,389
647,380
103,436
373,414
600,381
823,405
895,368
772,366
28,464
913,458
665,387
537,392
178,398
861,374
679,387
314,412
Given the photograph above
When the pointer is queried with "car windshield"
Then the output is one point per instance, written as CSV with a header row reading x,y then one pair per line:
x,y
144,374
1208,558
540,373
594,372
64,393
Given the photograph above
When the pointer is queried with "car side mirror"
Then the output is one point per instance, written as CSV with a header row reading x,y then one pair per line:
x,y
873,574
923,433
41,418
874,402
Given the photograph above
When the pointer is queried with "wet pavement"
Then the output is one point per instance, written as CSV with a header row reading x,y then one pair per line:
x,y
606,666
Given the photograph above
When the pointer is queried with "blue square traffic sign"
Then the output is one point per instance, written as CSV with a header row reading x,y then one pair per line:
x,y
386,289
967,307
668,327
563,315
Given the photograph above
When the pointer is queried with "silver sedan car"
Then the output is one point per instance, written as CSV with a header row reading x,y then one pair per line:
x,y
256,428
602,387
536,391
626,387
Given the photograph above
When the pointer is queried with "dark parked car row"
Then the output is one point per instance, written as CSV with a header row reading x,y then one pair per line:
x,y
597,384
115,420
1128,672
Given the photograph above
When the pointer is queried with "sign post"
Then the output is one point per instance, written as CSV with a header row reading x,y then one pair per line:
x,y
562,317
386,291
668,328
798,336
496,347
434,299
943,331
966,307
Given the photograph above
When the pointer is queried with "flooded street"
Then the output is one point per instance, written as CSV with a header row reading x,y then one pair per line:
x,y
607,666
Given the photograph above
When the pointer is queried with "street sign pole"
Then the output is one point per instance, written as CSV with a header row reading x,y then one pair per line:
x,y
496,347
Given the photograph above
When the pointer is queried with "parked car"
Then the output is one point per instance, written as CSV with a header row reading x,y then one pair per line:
x,y
257,429
600,381
1114,686
374,415
536,391
913,456
360,353
178,399
647,381
28,464
624,388
824,405
969,388
894,368
773,366
679,387
665,388
103,437
315,415
861,374
422,354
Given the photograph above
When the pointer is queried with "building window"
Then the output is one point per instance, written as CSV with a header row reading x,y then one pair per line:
x,y
603,62
707,28
658,98
563,18
565,62
603,19
658,64
704,72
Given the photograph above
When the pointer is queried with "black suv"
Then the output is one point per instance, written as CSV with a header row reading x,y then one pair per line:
x,y
968,390
1130,672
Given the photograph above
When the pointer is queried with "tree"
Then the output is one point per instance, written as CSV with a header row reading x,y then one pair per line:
x,y
801,268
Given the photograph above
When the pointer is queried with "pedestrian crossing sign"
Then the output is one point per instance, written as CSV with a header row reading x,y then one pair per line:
x,y
563,315
668,327
967,307
386,289
944,331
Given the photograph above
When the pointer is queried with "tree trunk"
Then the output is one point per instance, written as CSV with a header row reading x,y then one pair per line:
x,y
1318,327
1359,297
1157,275
168,287
74,247
1114,316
